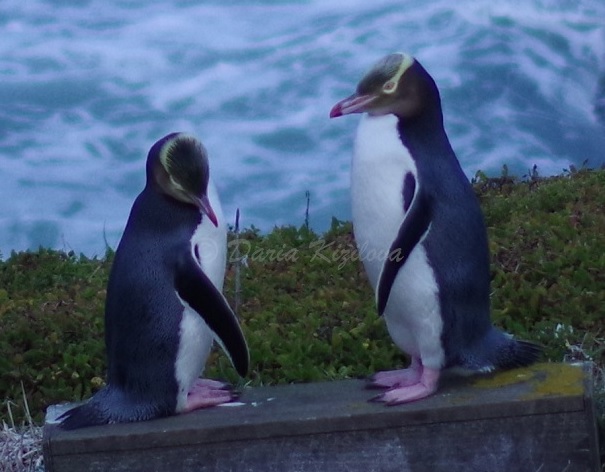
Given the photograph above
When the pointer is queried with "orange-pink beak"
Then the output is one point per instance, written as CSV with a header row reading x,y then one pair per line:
x,y
204,205
354,104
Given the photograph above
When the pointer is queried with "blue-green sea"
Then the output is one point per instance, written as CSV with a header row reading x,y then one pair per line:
x,y
87,86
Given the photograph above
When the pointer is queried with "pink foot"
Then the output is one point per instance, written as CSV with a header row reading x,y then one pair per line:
x,y
209,383
397,378
426,385
205,393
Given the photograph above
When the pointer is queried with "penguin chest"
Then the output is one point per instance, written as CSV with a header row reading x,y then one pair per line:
x,y
378,179
384,176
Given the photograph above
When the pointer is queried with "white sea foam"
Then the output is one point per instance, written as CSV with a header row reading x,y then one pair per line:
x,y
86,90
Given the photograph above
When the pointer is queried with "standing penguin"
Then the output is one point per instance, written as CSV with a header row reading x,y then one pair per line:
x,y
421,235
164,303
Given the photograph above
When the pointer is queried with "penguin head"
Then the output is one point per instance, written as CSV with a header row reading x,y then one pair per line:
x,y
397,84
177,166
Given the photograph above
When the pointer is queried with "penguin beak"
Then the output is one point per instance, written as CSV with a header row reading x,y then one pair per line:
x,y
204,205
354,104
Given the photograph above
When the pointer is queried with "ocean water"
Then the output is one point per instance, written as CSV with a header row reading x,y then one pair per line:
x,y
87,86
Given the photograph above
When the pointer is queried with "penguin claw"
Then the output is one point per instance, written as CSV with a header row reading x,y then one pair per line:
x,y
372,385
377,398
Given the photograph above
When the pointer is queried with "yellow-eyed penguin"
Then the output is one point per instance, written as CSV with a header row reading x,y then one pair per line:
x,y
164,303
420,234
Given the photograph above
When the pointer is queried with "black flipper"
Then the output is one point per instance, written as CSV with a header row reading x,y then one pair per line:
x,y
195,288
415,224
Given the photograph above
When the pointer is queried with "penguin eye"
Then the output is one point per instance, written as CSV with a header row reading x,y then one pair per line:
x,y
389,87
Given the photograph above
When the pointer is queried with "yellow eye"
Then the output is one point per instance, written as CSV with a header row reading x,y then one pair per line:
x,y
389,87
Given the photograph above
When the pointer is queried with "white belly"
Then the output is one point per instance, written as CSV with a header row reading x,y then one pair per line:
x,y
380,163
195,336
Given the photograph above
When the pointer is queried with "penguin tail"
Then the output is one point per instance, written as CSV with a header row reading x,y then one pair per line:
x,y
499,351
82,416
517,353
112,405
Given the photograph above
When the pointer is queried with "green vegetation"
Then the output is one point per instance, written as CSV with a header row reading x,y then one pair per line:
x,y
306,307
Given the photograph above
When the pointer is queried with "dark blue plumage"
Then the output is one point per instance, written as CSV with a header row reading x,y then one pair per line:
x,y
457,246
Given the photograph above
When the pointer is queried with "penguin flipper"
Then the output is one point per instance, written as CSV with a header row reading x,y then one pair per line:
x,y
415,224
197,290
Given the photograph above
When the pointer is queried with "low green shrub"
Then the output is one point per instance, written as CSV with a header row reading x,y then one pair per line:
x,y
305,304
51,326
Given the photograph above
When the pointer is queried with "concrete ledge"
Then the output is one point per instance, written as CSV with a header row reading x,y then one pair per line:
x,y
539,418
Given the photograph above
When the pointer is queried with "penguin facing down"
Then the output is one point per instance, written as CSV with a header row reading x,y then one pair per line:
x,y
164,304
413,206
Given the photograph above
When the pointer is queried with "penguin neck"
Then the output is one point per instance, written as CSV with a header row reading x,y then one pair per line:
x,y
426,140
424,135
424,129
159,211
